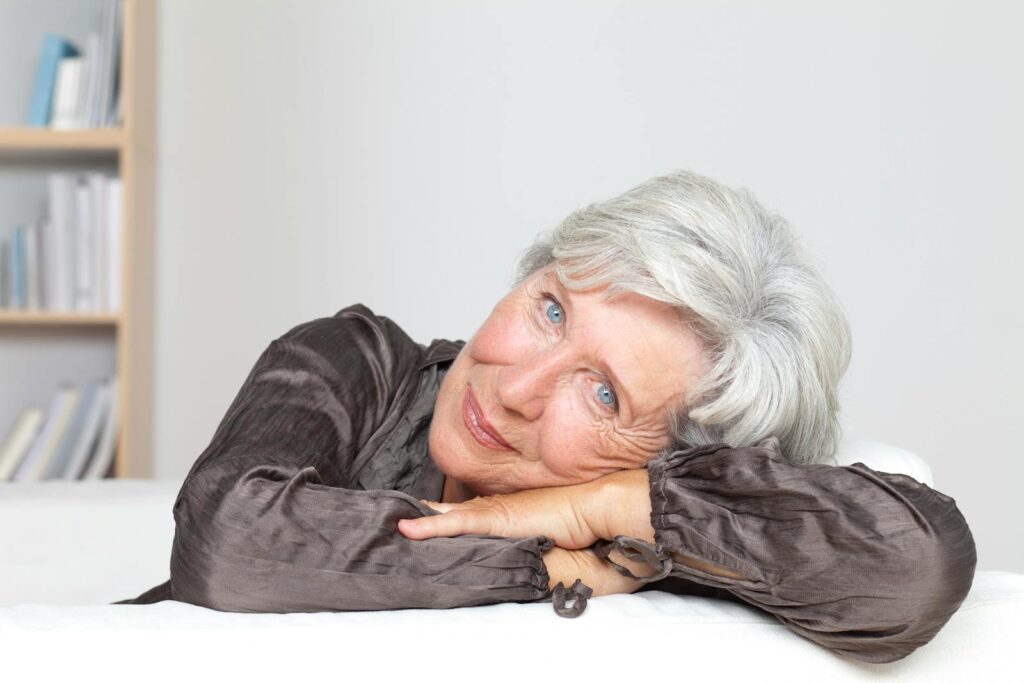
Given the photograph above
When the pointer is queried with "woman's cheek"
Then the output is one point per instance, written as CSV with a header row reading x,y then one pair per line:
x,y
566,448
505,336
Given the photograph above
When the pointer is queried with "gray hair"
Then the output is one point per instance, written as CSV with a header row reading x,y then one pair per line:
x,y
775,339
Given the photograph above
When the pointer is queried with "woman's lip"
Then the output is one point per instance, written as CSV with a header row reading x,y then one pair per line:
x,y
478,426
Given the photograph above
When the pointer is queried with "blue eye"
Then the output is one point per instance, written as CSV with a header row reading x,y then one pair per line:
x,y
606,395
558,316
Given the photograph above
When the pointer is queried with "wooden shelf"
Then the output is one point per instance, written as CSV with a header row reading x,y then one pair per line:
x,y
14,317
45,139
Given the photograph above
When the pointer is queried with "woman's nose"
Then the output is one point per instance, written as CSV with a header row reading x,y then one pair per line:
x,y
525,386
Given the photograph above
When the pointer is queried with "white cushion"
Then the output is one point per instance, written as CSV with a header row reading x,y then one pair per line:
x,y
71,547
883,457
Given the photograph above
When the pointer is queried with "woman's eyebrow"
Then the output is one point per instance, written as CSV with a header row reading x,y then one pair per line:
x,y
619,385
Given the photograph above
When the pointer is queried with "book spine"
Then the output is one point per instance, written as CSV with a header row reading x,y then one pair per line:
x,y
100,233
83,245
32,267
92,54
64,94
115,224
19,442
5,273
19,268
41,108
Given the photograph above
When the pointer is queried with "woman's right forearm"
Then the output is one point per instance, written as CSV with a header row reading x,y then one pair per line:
x,y
275,538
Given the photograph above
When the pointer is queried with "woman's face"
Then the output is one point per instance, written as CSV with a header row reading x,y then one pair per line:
x,y
574,386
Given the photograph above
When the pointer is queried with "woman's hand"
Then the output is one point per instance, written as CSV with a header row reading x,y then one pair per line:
x,y
572,516
568,515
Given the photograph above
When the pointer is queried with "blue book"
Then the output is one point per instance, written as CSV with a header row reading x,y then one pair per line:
x,y
54,49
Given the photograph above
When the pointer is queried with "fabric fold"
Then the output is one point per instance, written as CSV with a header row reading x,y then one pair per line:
x,y
868,564
638,550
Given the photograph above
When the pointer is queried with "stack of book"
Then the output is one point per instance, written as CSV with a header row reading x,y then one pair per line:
x,y
70,259
78,88
74,440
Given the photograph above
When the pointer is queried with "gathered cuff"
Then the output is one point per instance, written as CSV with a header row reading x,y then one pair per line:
x,y
683,522
638,550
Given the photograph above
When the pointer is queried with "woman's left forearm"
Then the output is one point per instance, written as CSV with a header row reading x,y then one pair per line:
x,y
623,508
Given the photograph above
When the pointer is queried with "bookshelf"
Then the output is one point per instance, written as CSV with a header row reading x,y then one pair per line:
x,y
130,152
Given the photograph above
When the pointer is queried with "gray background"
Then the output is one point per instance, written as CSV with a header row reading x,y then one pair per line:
x,y
402,154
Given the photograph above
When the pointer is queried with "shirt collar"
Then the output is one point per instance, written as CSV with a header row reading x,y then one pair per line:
x,y
441,350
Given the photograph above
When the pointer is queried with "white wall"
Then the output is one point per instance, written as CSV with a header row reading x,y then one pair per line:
x,y
402,154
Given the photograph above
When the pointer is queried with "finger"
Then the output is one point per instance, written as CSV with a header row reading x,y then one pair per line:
x,y
453,523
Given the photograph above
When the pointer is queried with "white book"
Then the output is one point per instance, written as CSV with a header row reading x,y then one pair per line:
x,y
19,440
32,292
61,93
66,93
104,454
69,440
80,116
115,242
92,90
56,420
59,245
101,237
91,433
85,243
46,263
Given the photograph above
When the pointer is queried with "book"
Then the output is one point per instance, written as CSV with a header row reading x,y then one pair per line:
x,y
114,242
92,88
33,294
5,273
111,115
108,64
91,433
54,469
67,97
58,241
17,269
19,440
103,457
39,456
53,50
101,246
85,245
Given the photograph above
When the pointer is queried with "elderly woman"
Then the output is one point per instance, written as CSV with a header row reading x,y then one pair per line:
x,y
652,405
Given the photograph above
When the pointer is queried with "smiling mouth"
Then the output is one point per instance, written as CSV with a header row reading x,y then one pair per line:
x,y
477,425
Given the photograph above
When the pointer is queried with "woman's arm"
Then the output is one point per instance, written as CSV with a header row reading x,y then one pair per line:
x,y
269,518
868,564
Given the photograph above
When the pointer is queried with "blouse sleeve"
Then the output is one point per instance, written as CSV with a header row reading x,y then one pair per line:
x,y
265,521
867,564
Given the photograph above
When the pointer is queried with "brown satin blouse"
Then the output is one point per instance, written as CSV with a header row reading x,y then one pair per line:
x,y
293,507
